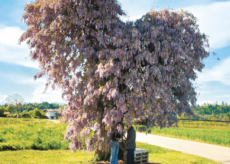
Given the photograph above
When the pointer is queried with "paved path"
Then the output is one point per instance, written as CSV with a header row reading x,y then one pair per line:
x,y
213,152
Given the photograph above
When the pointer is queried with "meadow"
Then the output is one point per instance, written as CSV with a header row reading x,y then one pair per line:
x,y
41,141
217,133
204,124
157,155
25,133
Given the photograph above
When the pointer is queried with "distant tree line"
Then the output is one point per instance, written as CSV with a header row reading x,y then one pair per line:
x,y
208,111
205,111
207,108
36,113
30,106
28,110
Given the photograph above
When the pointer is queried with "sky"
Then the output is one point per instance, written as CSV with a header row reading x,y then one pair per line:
x,y
212,85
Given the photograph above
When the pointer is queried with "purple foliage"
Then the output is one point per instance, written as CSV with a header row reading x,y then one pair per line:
x,y
111,71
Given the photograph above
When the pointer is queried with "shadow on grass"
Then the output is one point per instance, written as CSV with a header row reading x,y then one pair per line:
x,y
119,162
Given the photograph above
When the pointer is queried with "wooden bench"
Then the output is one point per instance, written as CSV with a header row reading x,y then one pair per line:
x,y
140,156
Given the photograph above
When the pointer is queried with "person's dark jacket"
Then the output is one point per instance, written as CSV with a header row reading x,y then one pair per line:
x,y
130,142
114,137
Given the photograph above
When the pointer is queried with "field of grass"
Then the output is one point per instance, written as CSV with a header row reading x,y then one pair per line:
x,y
166,156
45,157
208,132
40,141
156,155
204,124
18,134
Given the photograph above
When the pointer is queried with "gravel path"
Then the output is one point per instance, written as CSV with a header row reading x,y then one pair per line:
x,y
213,152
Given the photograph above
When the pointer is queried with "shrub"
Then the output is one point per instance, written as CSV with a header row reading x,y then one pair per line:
x,y
31,113
36,113
225,118
26,115
14,115
214,119
43,115
2,109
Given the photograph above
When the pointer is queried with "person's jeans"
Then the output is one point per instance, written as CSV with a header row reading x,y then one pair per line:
x,y
130,156
114,152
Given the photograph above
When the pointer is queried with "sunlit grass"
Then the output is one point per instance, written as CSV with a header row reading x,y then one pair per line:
x,y
26,134
45,157
213,133
156,155
166,156
204,124
19,134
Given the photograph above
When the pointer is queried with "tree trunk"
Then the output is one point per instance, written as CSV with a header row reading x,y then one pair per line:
x,y
121,145
17,114
102,151
17,111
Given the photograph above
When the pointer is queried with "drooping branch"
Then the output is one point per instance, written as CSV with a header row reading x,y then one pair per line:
x,y
111,71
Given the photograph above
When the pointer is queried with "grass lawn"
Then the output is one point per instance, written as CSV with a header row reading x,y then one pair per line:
x,y
218,135
166,156
44,157
38,134
40,141
156,155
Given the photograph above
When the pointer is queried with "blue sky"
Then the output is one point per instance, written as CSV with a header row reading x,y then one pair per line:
x,y
213,84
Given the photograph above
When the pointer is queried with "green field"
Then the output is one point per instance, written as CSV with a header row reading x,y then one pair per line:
x,y
40,141
204,124
18,134
208,132
156,155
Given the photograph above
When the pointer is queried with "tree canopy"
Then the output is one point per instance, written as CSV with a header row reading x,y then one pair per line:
x,y
111,71
2,110
15,100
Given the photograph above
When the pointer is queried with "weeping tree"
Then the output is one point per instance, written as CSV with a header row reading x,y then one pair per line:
x,y
114,72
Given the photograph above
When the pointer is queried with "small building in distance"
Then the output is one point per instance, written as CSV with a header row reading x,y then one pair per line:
x,y
52,113
7,113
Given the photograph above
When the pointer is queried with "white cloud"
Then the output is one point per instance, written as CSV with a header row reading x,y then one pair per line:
x,y
213,20
38,94
49,96
23,79
9,36
34,91
219,73
16,56
11,51
30,80
2,99
214,83
224,96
